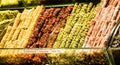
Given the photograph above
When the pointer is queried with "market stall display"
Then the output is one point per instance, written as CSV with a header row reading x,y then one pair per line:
x,y
29,25
65,35
72,35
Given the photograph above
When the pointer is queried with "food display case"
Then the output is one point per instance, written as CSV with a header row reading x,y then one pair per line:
x,y
59,32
